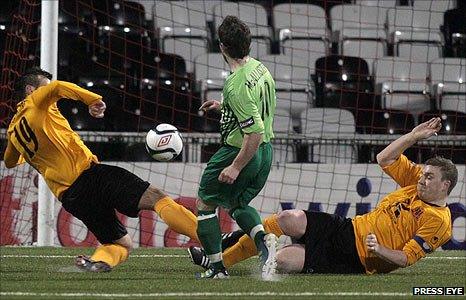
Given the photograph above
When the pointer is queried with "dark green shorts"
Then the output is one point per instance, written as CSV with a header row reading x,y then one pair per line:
x,y
249,183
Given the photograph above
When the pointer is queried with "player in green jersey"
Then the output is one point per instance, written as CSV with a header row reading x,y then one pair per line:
x,y
238,171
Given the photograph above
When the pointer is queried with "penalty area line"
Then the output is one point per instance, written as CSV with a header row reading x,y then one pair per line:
x,y
206,294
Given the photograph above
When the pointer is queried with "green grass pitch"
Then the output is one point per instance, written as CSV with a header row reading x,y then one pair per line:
x,y
48,273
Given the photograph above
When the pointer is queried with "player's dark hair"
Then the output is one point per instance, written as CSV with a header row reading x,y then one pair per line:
x,y
448,169
30,77
235,36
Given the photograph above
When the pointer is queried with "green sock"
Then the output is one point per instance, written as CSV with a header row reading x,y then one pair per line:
x,y
250,222
208,231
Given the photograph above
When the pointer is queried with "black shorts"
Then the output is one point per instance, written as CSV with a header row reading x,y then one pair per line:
x,y
95,195
330,245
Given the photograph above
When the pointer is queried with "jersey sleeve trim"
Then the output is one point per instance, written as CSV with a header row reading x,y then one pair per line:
x,y
423,244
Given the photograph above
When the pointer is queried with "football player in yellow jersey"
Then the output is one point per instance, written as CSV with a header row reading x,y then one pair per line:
x,y
90,191
406,225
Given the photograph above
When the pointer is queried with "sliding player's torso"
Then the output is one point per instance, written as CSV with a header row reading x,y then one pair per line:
x,y
397,220
47,142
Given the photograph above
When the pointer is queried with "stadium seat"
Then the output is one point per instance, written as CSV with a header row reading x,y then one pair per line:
x,y
433,5
377,3
73,36
163,66
326,122
344,82
181,30
384,122
283,150
121,29
454,30
360,31
387,122
453,123
302,30
448,83
211,70
308,50
255,16
402,84
294,89
415,33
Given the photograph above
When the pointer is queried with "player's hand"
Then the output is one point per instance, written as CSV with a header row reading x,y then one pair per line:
x,y
97,109
228,175
427,129
210,105
371,243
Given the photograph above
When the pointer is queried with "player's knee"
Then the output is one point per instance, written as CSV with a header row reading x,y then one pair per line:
x,y
292,222
150,197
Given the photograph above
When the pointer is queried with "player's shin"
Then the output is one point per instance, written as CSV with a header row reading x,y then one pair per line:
x,y
246,247
249,221
208,230
177,217
111,254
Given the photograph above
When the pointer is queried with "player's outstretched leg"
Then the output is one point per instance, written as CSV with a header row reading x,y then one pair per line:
x,y
105,257
176,216
85,263
249,221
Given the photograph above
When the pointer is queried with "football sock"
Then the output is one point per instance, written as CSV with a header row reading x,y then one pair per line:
x,y
112,254
208,230
177,217
250,222
271,225
245,247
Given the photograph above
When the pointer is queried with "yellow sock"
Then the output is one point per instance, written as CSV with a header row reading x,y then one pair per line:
x,y
243,249
177,217
112,254
246,247
271,225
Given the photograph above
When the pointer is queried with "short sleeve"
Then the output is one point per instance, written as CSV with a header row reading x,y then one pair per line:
x,y
404,171
246,111
433,233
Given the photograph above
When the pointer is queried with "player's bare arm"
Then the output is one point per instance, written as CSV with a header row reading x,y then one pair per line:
x,y
250,145
11,156
423,131
210,105
396,257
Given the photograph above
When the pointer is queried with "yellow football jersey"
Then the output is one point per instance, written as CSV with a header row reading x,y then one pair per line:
x,y
45,139
402,221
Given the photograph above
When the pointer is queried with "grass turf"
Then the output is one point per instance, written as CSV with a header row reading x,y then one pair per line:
x,y
36,272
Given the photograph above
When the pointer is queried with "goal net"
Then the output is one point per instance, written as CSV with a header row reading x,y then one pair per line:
x,y
351,76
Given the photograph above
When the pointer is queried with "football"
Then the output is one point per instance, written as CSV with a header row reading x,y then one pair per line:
x,y
164,142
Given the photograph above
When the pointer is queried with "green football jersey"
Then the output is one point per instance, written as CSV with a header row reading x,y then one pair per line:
x,y
248,104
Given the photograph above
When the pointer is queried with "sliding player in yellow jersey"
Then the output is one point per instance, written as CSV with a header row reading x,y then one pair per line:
x,y
406,225
90,191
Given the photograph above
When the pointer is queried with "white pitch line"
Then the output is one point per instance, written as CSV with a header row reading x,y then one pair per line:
x,y
206,294
73,256
176,255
